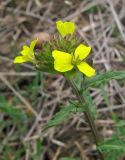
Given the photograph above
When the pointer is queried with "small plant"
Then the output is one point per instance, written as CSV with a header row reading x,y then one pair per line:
x,y
63,54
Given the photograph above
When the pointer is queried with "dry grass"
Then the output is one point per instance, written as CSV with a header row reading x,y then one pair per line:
x,y
101,25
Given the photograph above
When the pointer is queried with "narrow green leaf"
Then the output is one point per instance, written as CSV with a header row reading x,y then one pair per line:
x,y
104,78
113,148
15,113
89,102
105,95
79,80
39,147
60,116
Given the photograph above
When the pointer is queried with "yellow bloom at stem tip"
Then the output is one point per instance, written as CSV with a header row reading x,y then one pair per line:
x,y
65,28
27,53
64,62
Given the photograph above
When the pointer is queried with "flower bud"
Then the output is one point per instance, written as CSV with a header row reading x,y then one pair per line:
x,y
42,37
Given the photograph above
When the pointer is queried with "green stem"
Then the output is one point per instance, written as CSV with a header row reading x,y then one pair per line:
x,y
88,115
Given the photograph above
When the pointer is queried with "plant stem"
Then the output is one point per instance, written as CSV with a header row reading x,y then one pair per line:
x,y
88,115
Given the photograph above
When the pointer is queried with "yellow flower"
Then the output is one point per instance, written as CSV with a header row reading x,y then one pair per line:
x,y
27,53
65,28
65,61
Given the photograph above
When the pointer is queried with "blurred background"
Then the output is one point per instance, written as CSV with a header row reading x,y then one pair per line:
x,y
29,99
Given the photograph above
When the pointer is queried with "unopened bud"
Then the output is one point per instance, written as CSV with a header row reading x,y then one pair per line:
x,y
42,38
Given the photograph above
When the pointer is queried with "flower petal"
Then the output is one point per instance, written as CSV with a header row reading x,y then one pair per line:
x,y
70,27
86,69
61,29
62,61
20,59
82,52
25,51
32,44
65,28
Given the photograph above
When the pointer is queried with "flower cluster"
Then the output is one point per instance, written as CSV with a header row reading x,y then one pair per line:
x,y
61,60
27,53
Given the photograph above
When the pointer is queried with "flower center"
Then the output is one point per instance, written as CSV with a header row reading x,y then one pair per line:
x,y
75,61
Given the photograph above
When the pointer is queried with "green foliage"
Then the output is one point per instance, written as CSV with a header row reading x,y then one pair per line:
x,y
39,147
60,116
113,144
104,95
64,113
79,79
12,151
14,113
114,147
89,102
45,60
68,158
67,44
102,78
36,86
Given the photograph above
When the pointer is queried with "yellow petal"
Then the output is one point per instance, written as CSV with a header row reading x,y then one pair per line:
x,y
61,28
82,52
86,69
65,28
25,51
20,59
70,27
32,44
26,48
62,61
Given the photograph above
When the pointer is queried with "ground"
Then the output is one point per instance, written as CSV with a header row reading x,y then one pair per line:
x,y
28,98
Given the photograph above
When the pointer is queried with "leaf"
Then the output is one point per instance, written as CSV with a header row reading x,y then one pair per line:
x,y
113,148
119,125
89,102
39,148
105,95
119,146
60,116
79,78
14,113
103,78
